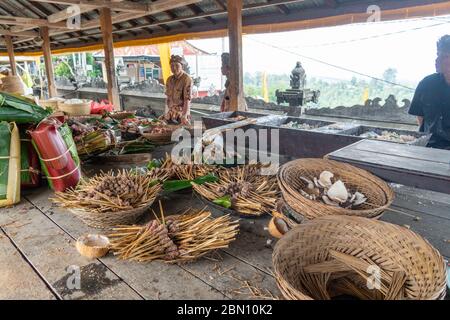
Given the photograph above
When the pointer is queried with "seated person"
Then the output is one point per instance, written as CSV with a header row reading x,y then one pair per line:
x,y
431,103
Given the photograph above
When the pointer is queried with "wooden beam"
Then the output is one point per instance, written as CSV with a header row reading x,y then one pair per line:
x,y
125,6
237,99
12,58
52,92
106,27
21,21
19,34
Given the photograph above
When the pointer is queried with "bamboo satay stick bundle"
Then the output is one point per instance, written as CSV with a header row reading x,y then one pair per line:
x,y
250,192
112,191
175,239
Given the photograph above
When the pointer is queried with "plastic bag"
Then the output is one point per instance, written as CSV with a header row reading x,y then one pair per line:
x,y
101,107
54,144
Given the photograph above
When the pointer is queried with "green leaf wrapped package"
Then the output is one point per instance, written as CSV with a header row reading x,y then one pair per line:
x,y
20,110
9,164
29,160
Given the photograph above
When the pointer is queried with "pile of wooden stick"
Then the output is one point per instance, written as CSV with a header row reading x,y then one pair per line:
x,y
250,192
173,239
111,192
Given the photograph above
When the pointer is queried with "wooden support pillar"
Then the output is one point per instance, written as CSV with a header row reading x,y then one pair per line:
x,y
237,97
106,27
52,92
12,58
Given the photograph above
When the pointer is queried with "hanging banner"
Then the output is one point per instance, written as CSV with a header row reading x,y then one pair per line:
x,y
164,55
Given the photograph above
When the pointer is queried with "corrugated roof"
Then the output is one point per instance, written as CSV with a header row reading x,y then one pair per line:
x,y
200,16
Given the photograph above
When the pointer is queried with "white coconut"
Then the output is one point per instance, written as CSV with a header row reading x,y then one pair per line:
x,y
338,192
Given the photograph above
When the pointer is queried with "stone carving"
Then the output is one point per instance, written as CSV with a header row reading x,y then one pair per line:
x,y
372,109
146,86
298,77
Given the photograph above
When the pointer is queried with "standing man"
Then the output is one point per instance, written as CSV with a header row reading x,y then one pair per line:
x,y
225,106
178,92
431,103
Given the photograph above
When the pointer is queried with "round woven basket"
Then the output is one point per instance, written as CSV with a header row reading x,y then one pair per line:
x,y
110,219
161,138
76,109
51,103
122,115
338,256
12,84
379,194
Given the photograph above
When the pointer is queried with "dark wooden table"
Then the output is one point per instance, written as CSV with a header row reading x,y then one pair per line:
x,y
418,167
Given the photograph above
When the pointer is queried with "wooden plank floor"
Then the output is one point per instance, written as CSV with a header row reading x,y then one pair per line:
x,y
38,256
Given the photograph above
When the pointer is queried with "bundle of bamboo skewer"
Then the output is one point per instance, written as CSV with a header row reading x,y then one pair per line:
x,y
242,189
111,198
178,238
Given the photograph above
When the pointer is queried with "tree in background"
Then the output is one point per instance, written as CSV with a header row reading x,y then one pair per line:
x,y
390,75
333,93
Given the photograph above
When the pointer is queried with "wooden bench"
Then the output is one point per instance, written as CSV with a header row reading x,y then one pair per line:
x,y
418,167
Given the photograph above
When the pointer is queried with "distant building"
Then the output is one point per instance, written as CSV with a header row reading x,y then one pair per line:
x,y
139,63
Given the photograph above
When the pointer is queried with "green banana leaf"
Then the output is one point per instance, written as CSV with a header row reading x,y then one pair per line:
x,y
154,163
25,175
177,185
5,141
20,110
224,201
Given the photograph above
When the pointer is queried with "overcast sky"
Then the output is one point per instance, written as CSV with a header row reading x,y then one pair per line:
x,y
411,49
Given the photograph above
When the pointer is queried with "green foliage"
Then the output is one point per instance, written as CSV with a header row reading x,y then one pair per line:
x,y
62,70
333,93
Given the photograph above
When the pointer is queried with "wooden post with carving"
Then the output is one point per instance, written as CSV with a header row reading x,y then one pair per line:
x,y
106,27
46,50
237,97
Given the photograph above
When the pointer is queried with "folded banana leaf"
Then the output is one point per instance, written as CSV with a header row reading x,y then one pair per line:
x,y
177,185
30,167
20,110
9,164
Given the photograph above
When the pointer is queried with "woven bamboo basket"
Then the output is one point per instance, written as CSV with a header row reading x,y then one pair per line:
x,y
379,194
161,138
338,256
12,84
53,104
110,219
76,109
122,115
